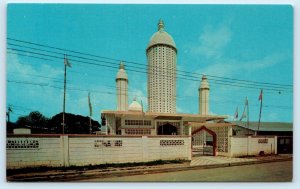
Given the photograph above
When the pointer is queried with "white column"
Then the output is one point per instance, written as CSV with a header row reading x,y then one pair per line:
x,y
275,145
190,130
145,148
249,145
64,141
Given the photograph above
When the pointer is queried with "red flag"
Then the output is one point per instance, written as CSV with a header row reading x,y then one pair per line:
x,y
260,95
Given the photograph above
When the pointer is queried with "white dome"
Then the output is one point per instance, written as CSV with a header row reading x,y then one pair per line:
x,y
161,37
135,106
122,73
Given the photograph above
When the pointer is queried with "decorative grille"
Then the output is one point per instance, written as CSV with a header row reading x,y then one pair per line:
x,y
107,143
171,142
138,131
22,144
138,122
222,138
263,140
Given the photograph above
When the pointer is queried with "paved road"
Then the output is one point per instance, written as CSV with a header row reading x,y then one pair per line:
x,y
276,171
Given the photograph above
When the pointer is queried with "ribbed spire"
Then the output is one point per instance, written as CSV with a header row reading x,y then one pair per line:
x,y
122,66
161,25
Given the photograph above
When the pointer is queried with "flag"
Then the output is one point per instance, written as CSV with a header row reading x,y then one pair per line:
x,y
90,105
236,115
66,62
246,101
244,115
142,106
260,95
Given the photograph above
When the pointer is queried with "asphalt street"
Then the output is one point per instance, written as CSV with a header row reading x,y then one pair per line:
x,y
266,172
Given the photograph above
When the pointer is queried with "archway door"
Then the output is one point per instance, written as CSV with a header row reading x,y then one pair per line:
x,y
204,142
166,129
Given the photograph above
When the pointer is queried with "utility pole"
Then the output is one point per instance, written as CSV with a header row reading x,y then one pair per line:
x,y
66,63
261,101
8,114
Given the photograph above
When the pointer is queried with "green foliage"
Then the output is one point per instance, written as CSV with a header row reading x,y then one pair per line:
x,y
38,123
35,120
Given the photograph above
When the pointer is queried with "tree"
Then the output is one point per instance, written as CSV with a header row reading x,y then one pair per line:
x,y
36,121
75,124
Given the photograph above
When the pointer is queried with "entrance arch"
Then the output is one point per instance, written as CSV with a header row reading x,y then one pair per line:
x,y
213,142
167,129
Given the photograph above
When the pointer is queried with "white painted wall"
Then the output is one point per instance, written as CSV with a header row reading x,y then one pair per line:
x,y
91,150
48,153
242,146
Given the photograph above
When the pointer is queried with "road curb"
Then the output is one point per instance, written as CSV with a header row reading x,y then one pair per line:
x,y
82,175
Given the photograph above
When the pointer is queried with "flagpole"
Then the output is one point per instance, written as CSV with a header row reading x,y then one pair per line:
x,y
248,115
90,125
261,101
90,108
142,113
236,118
64,103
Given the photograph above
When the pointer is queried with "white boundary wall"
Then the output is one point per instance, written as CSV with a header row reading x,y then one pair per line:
x,y
68,150
252,145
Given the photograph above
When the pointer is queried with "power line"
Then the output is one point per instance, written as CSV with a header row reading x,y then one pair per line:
x,y
193,73
87,90
282,87
216,82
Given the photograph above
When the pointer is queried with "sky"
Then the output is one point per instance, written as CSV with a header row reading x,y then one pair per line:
x,y
244,42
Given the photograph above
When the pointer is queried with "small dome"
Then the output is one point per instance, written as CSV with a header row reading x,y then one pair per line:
x,y
122,73
135,106
161,37
204,83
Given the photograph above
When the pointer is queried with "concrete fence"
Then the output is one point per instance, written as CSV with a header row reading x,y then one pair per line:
x,y
79,150
253,145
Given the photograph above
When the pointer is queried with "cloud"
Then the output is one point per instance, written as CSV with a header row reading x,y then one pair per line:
x,y
273,116
212,40
180,110
22,68
45,99
229,67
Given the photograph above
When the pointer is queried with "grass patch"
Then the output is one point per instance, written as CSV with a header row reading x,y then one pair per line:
x,y
39,169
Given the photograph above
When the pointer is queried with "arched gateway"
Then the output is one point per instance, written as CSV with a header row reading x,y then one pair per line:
x,y
204,142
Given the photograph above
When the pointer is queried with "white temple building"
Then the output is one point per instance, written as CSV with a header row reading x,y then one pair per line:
x,y
161,117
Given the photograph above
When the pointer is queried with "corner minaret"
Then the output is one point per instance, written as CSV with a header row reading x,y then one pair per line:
x,y
204,96
122,89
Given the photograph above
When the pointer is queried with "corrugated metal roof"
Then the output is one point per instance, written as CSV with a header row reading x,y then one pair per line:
x,y
267,126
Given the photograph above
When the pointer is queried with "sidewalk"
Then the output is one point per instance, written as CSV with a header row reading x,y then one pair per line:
x,y
216,160
202,162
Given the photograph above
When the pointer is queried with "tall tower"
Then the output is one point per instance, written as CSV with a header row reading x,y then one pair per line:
x,y
204,96
161,56
122,89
